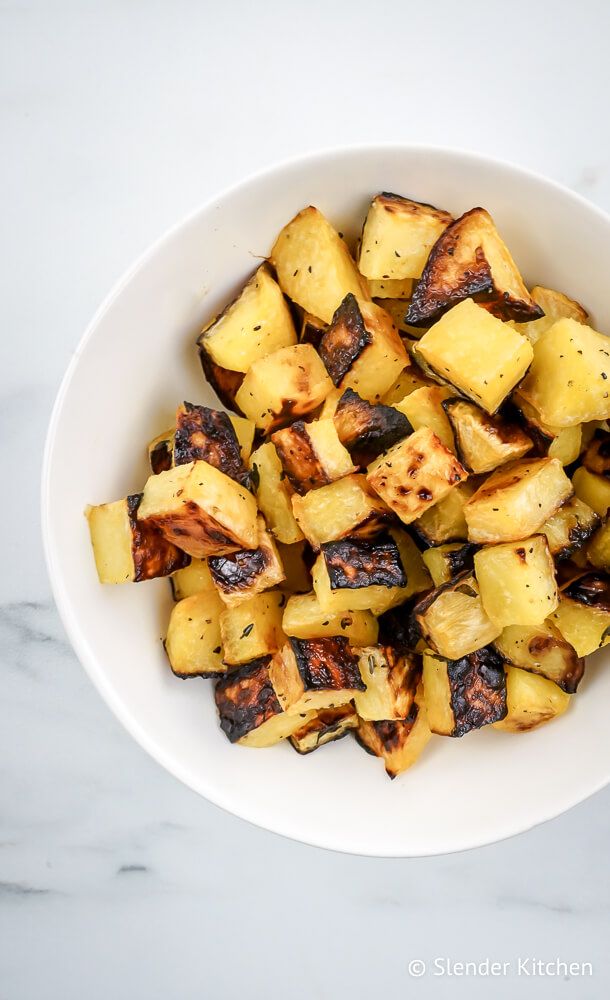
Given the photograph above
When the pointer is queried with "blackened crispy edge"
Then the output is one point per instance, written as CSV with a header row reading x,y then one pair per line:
x,y
327,664
160,456
192,527
477,683
398,628
204,434
238,570
597,456
245,699
425,602
329,726
224,382
345,339
354,563
575,665
432,296
298,457
592,590
153,555
368,429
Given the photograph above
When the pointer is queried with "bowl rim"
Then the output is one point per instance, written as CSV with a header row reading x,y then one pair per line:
x,y
60,590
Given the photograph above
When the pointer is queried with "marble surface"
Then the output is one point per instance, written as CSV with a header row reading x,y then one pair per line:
x,y
117,119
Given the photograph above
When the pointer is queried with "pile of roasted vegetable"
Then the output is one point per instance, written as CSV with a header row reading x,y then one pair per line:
x,y
401,527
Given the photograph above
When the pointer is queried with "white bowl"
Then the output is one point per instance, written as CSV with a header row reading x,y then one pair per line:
x,y
134,364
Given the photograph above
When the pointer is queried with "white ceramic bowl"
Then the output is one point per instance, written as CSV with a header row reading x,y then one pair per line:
x,y
134,364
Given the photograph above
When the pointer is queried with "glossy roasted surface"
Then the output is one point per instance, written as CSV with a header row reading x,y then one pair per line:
x,y
327,664
354,563
153,555
204,434
245,699
368,429
345,339
478,690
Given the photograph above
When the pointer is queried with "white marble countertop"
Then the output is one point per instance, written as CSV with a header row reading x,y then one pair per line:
x,y
117,119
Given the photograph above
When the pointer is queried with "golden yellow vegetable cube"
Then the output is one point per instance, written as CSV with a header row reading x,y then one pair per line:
x,y
274,494
127,550
313,264
445,521
398,235
452,619
593,490
543,650
399,743
484,442
304,618
516,500
583,614
568,381
415,474
255,324
424,408
346,507
200,509
193,579
283,386
391,680
312,454
517,581
193,644
477,353
531,700
253,628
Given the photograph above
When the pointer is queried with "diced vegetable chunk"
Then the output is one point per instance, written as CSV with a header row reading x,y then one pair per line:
x,y
200,509
274,494
391,681
569,376
313,264
326,726
249,709
477,353
362,349
304,618
398,743
255,324
452,619
240,575
583,615
532,700
397,237
415,474
516,500
253,628
464,694
469,258
193,644
315,673
484,442
517,581
312,454
542,650
283,386
127,550
348,507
